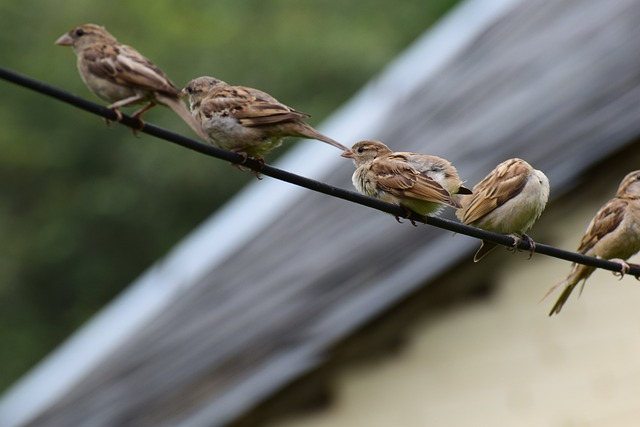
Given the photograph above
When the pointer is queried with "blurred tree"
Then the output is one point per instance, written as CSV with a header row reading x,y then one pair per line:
x,y
87,208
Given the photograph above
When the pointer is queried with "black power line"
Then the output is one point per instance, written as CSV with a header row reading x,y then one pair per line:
x,y
310,184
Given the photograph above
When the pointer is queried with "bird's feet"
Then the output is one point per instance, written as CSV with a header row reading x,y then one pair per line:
x,y
140,122
242,154
245,157
118,119
517,240
532,245
624,267
407,215
256,172
117,113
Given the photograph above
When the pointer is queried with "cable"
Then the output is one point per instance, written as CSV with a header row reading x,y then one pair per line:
x,y
310,184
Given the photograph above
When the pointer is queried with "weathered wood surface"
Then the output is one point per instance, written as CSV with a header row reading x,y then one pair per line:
x,y
556,82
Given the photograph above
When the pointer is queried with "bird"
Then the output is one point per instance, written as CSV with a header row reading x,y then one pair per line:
x,y
419,183
120,75
246,120
612,234
508,200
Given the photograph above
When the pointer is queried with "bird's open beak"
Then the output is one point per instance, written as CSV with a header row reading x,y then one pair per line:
x,y
65,40
347,154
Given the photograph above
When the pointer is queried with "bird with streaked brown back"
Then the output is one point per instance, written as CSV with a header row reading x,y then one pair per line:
x,y
246,120
508,200
120,75
420,183
613,234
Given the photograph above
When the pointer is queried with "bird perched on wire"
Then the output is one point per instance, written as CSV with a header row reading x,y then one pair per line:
x,y
120,75
613,234
246,120
508,200
419,183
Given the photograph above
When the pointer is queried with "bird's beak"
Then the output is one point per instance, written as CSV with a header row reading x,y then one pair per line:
x,y
347,154
65,40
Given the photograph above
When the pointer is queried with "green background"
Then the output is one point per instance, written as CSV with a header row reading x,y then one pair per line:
x,y
86,208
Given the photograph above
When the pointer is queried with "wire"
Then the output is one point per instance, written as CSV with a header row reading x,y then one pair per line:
x,y
310,184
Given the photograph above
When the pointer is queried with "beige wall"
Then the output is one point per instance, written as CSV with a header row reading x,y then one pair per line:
x,y
501,361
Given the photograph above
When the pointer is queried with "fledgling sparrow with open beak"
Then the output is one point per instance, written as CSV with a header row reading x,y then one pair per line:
x,y
246,120
120,75
420,183
613,234
508,200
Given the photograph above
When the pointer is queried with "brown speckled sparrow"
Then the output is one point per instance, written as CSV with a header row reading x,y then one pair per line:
x,y
613,234
120,75
245,120
508,200
421,183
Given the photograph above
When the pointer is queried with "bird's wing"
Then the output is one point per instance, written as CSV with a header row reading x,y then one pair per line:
x,y
402,180
606,221
505,183
126,66
250,107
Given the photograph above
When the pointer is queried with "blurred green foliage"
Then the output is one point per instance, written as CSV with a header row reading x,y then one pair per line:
x,y
86,208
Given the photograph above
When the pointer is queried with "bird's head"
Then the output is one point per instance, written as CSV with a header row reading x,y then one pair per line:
x,y
630,185
85,35
198,88
366,151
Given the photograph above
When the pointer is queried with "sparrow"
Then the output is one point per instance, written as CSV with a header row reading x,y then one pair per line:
x,y
613,234
508,200
418,183
120,75
246,120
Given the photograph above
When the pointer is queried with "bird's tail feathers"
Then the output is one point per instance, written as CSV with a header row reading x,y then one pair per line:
x,y
564,296
579,273
181,110
308,132
485,248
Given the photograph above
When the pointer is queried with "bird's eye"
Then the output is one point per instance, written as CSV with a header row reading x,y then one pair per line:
x,y
360,150
80,32
189,90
